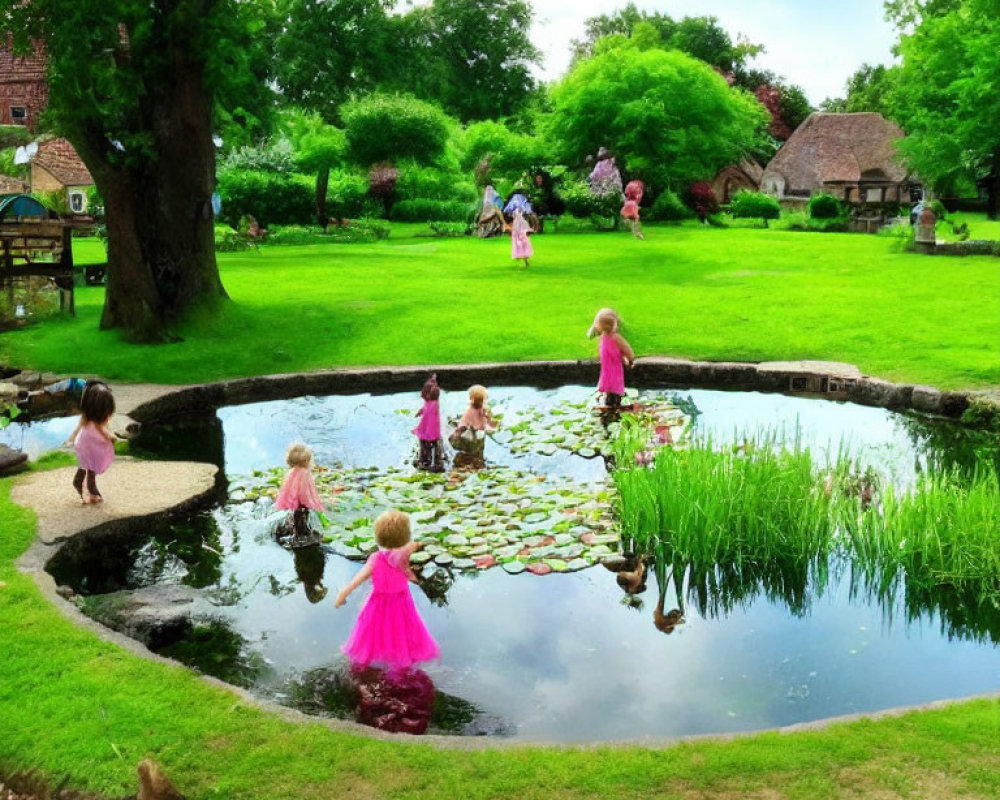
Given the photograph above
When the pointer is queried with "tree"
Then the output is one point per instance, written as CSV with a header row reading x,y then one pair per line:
x,y
333,49
384,127
945,95
317,147
701,37
868,89
133,86
672,117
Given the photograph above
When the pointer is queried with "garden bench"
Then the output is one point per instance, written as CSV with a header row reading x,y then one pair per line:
x,y
44,249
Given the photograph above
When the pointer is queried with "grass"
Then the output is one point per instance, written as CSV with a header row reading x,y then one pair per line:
x,y
687,291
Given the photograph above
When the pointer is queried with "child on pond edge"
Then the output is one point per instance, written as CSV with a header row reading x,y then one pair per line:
x,y
92,439
615,353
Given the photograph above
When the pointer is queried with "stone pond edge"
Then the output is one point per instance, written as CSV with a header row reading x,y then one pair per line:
x,y
154,404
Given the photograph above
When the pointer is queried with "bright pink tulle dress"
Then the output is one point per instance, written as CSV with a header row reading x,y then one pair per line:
x,y
93,451
429,429
389,631
298,491
520,247
612,372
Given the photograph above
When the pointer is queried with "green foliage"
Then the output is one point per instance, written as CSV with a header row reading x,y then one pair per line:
x,y
754,205
668,207
274,155
364,230
429,183
384,127
269,197
347,196
825,206
869,89
315,145
228,240
509,153
803,222
54,200
421,210
450,230
603,212
663,111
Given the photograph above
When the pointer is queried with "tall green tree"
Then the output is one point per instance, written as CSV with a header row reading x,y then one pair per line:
x,y
133,86
317,147
946,94
668,115
868,89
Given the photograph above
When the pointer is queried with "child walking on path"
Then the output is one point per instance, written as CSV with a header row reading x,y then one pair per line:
x,y
429,429
389,631
615,352
298,492
92,439
520,247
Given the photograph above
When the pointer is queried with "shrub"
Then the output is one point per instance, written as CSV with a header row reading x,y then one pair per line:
x,y
272,198
228,240
347,195
274,156
824,206
603,212
423,210
384,127
364,230
451,229
755,205
428,183
794,221
938,208
701,199
669,208
506,152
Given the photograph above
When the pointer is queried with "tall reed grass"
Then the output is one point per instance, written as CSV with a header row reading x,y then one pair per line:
x,y
762,518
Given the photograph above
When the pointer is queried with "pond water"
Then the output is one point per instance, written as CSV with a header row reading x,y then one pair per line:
x,y
561,657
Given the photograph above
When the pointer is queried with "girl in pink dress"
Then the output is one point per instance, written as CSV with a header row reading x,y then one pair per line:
x,y
615,352
92,439
520,247
429,429
389,631
630,211
298,491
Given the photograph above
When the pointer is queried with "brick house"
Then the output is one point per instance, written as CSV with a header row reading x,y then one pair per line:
x,y
56,168
24,92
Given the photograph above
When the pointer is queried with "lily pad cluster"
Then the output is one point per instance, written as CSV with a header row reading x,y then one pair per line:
x,y
579,427
468,521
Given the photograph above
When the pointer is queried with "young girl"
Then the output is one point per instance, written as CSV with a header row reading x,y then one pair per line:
x,y
389,630
615,352
298,491
468,437
630,211
429,429
92,439
520,247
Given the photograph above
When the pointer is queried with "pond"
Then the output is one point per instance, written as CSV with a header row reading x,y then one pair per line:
x,y
566,656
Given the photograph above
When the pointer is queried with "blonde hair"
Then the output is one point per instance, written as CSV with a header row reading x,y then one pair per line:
x,y
392,529
298,455
606,321
477,396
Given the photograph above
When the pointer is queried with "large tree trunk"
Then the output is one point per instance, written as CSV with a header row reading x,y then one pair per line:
x,y
161,249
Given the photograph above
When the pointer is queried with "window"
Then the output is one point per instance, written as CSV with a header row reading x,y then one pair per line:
x,y
77,202
18,115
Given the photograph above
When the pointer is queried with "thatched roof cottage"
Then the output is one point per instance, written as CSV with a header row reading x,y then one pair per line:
x,y
851,156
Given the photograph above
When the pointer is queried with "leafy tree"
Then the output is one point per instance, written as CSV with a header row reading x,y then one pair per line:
x,y
701,37
671,116
332,49
868,89
318,147
834,105
945,94
386,127
134,86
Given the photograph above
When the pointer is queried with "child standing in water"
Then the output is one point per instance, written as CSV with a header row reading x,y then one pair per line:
x,y
615,352
429,429
520,247
389,631
298,491
469,437
92,439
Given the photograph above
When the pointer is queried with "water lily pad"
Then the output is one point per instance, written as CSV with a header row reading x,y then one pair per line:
x,y
514,567
577,564
464,563
484,561
538,568
420,557
444,559
557,564
455,539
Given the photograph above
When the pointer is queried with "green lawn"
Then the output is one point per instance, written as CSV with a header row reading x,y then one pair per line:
x,y
74,707
688,291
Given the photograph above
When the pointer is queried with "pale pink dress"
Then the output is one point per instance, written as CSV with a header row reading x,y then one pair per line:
x,y
389,631
612,371
476,418
520,246
429,429
298,491
93,451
